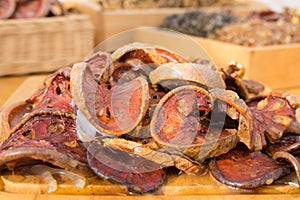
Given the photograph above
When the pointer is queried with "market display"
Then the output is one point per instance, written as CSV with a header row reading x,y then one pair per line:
x,y
130,115
25,9
262,29
135,4
257,28
198,22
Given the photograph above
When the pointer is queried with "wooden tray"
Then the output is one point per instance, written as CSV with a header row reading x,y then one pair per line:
x,y
179,185
277,66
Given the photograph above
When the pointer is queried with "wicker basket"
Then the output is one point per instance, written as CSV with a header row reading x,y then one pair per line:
x,y
44,44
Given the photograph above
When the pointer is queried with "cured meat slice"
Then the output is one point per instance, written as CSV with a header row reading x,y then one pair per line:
x,y
7,8
32,8
136,173
242,168
112,110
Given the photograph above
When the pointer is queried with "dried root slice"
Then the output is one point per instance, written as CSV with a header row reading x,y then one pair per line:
x,y
148,54
162,157
113,110
100,62
56,92
11,116
7,8
46,173
171,75
41,133
32,9
242,168
288,143
176,125
136,173
291,159
19,156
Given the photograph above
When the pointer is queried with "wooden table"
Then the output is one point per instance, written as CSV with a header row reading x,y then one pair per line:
x,y
9,86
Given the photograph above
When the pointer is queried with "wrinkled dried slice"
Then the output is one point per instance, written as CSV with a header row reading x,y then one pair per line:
x,y
162,157
135,59
46,136
269,117
254,87
288,143
7,8
98,62
32,9
272,116
148,54
11,116
293,161
242,168
172,75
136,173
55,94
113,110
292,99
176,124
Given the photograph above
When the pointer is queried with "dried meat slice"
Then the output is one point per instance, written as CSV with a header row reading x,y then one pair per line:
x,y
136,173
242,168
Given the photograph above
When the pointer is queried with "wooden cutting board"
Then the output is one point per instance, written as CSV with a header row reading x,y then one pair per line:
x,y
17,185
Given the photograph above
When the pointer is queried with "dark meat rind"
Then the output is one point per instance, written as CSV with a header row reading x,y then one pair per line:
x,y
136,173
242,168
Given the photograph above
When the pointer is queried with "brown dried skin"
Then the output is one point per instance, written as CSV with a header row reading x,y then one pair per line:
x,y
293,161
32,9
136,173
99,62
236,108
160,156
148,54
242,168
11,116
113,110
288,143
172,75
135,59
7,8
51,132
176,125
